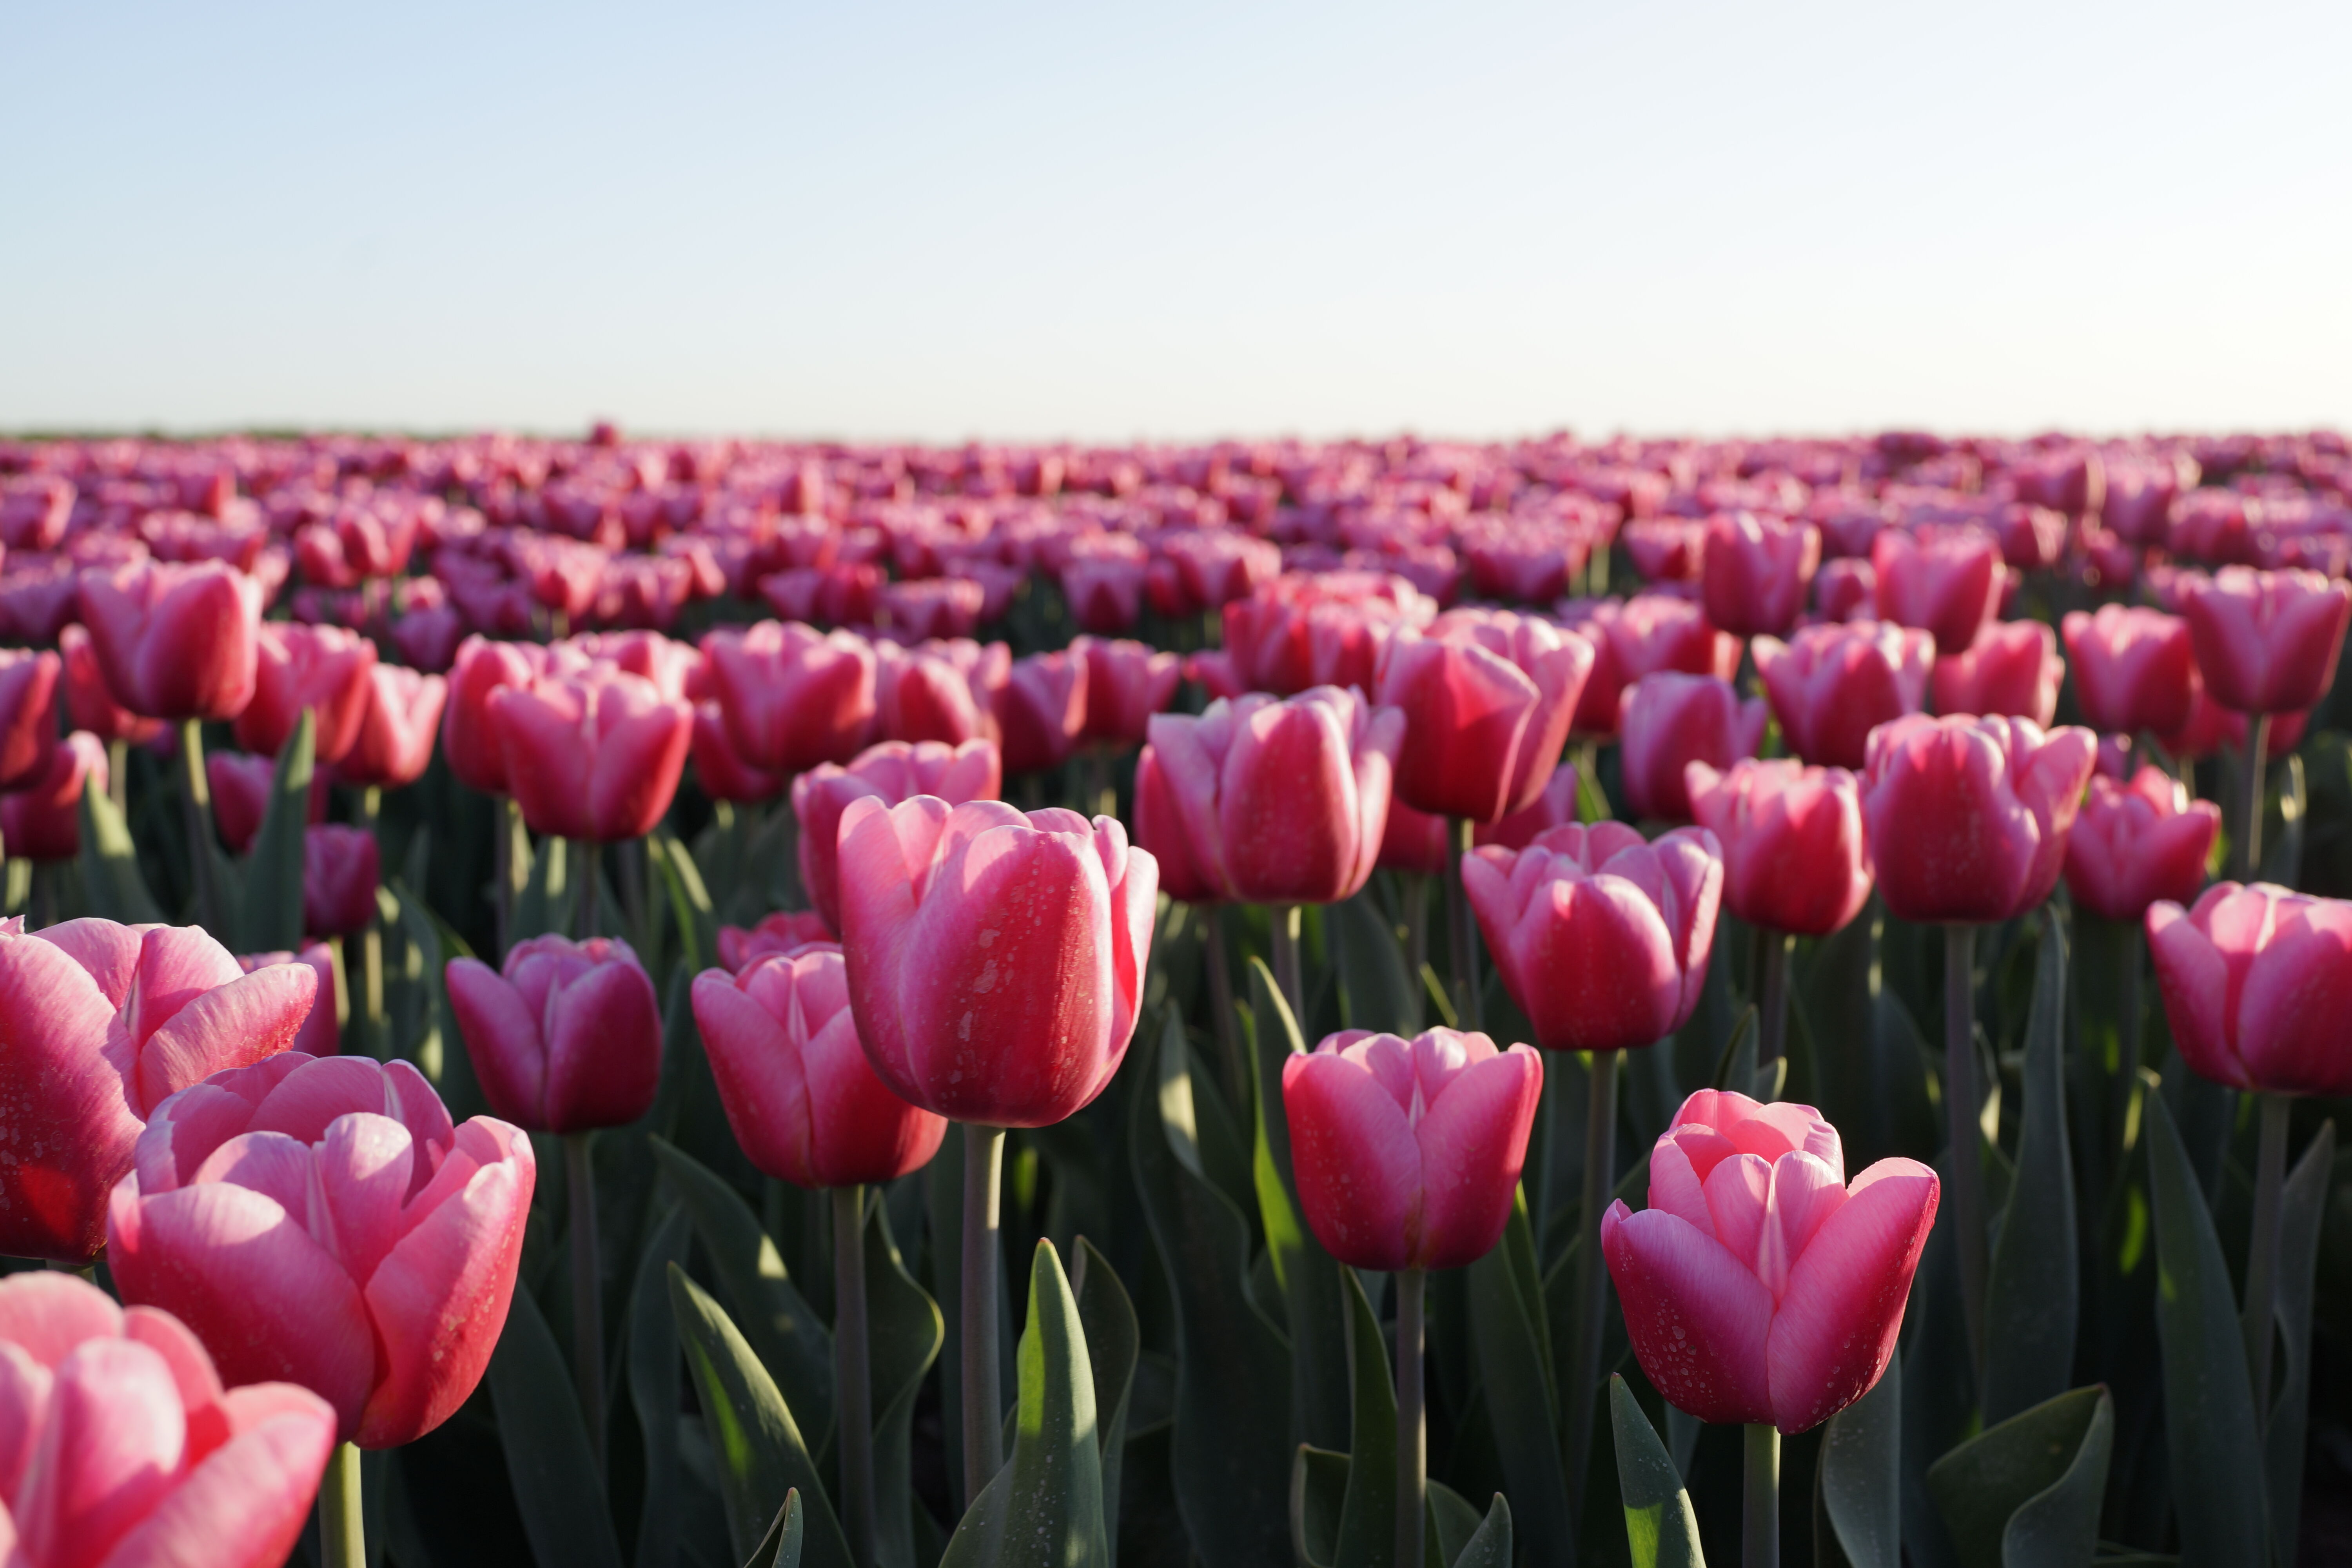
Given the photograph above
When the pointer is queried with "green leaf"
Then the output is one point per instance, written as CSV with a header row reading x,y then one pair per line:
x,y
781,1547
1368,1513
1319,1491
2302,1209
753,1434
2026,1493
1314,1310
792,1342
1858,1485
1660,1528
547,895
546,1443
653,1387
689,900
2032,1293
2209,1405
1489,1545
1452,1522
1113,1344
1230,1446
109,865
269,904
904,1332
1376,991
1510,1331
1045,1506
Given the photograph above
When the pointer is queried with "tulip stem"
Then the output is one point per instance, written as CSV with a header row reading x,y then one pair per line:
x,y
1283,920
1412,887
1461,930
342,1516
589,878
1966,1176
1221,1003
587,1290
1413,1425
502,855
2246,854
983,1413
1592,1275
1772,997
196,799
851,1376
1760,1497
2262,1251
118,775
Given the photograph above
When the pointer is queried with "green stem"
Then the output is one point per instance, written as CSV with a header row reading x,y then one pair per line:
x,y
118,775
343,1516
509,828
587,1290
984,1412
1461,926
588,877
1772,997
196,799
1283,920
1761,1498
376,1026
851,1373
2246,854
1591,1275
1221,1003
2262,1251
1964,1179
1413,1425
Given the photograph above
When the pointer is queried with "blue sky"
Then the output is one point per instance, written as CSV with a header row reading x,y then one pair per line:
x,y
1111,222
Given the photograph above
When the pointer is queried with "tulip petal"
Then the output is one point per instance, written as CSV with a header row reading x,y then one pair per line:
x,y
108,951
113,1444
1736,1192
1356,1159
1698,1319
307,1099
596,1074
363,1166
1842,1310
46,1314
1473,1142
501,1040
236,1023
245,1503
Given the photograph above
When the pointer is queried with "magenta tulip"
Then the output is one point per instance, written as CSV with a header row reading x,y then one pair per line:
x,y
2011,669
42,821
28,716
175,641
341,868
2134,668
323,668
1793,855
594,756
89,703
394,745
1041,708
2257,983
2133,844
1126,683
469,738
1830,686
566,1038
792,697
1968,816
2266,641
1671,720
890,772
1947,581
786,932
1487,698
1756,572
942,691
719,768
321,1034
1638,636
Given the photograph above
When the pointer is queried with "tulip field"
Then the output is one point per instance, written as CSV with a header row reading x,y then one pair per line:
x,y
1355,1004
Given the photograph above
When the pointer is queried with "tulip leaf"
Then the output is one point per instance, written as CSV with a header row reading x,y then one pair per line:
x,y
756,1443
111,883
1313,1309
1044,1507
689,900
1230,1446
791,1341
546,1442
2209,1406
1376,991
1858,1484
1367,1524
1660,1527
781,1547
904,1331
269,902
2303,1208
1319,1491
2031,1299
653,1387
2026,1493
1114,1344
548,892
1489,1545
1510,1332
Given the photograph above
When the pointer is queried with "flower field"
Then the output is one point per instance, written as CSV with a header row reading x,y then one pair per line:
x,y
1356,1003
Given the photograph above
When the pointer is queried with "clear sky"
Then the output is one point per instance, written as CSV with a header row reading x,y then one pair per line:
x,y
1108,221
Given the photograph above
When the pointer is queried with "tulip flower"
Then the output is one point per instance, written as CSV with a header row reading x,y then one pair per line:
x,y
1279,801
566,1038
90,702
1759,1286
341,870
42,821
321,1033
2011,669
321,1221
178,642
718,768
1309,629
394,745
942,691
1670,719
890,772
786,932
2266,642
1846,590
1793,855
1830,686
1947,581
122,1447
28,716
1968,816
792,697
105,1022
1041,708
1487,698
1126,683
596,756
2133,668
1757,569
468,737
1639,637
323,668
2135,843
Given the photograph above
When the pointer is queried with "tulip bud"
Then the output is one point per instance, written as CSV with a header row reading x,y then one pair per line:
x,y
1793,855
1968,816
2257,982
2011,669
1487,698
323,668
175,641
1830,686
1756,571
28,716
1040,710
2266,641
792,697
42,821
394,745
1947,581
340,872
1126,683
2135,843
568,1037
1670,719
594,756
2134,668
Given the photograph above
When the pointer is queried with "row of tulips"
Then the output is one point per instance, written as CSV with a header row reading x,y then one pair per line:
x,y
1305,1290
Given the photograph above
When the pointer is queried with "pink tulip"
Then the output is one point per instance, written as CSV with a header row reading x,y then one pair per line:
x,y
2134,668
341,868
944,690
786,932
1947,581
1756,571
594,756
891,771
932,606
89,704
1041,708
321,1034
1160,827
720,769
2266,641
995,960
1278,801
1968,816
241,788
1846,590
1407,1152
1666,549
1487,698
2135,843
2257,982
792,697
1793,855
1601,939
2012,667
394,745
1758,1287
799,1093
103,1023
175,642
1308,630
1105,592
42,821
468,737
28,716
1670,719
566,1039
1830,686
1639,637
1126,683
427,635
323,668
118,1445
321,1221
